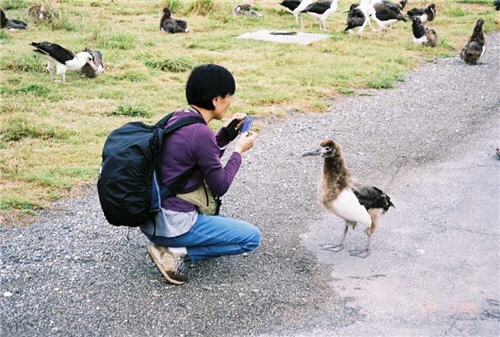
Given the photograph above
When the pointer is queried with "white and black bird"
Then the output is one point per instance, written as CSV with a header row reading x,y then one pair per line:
x,y
172,26
321,10
62,59
427,13
386,15
475,46
87,69
11,24
245,9
341,195
296,7
359,16
422,35
356,18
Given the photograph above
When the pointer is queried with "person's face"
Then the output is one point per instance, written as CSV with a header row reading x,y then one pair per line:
x,y
221,105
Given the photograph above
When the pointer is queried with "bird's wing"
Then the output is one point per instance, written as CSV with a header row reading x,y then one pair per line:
x,y
382,11
415,11
318,7
290,5
372,197
392,5
181,23
476,47
347,206
355,18
60,54
302,6
16,24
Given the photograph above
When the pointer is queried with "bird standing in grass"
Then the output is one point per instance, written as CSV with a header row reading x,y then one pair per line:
x,y
296,7
62,59
341,195
384,13
475,46
359,16
355,18
321,10
387,14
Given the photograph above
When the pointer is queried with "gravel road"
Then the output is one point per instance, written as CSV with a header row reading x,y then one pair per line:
x,y
433,271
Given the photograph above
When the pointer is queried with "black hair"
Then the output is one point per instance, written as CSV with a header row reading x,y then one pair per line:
x,y
207,82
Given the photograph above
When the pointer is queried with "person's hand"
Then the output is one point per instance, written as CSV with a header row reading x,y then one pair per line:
x,y
245,142
240,116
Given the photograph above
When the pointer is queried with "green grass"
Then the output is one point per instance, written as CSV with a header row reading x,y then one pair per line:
x,y
52,133
175,65
18,128
132,110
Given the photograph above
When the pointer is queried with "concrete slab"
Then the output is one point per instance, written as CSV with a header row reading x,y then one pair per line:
x,y
284,36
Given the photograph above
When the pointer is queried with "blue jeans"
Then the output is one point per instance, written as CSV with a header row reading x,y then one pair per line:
x,y
214,235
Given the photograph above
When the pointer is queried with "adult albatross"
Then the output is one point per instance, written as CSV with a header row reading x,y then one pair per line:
x,y
62,59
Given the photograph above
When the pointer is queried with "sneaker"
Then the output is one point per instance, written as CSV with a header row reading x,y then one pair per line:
x,y
170,265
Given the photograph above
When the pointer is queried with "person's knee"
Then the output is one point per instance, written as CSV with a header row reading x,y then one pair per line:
x,y
253,241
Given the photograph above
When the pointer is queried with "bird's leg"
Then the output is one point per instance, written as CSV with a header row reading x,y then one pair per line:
x,y
371,24
49,68
338,247
322,24
363,253
64,77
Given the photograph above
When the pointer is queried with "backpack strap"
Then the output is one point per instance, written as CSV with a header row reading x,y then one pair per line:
x,y
183,122
162,122
179,183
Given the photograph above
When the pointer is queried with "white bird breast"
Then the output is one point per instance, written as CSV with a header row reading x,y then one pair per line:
x,y
420,41
347,206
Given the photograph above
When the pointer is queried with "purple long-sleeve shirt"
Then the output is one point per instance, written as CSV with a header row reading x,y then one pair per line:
x,y
196,145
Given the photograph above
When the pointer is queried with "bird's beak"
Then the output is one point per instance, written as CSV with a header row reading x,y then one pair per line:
x,y
313,153
92,64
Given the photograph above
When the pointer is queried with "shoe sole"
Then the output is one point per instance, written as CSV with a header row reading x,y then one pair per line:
x,y
163,271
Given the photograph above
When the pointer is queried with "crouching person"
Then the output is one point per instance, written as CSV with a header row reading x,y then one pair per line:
x,y
185,228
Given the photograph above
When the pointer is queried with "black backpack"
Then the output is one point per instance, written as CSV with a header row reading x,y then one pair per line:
x,y
129,184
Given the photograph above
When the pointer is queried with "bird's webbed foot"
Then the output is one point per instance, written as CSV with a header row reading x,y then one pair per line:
x,y
332,247
362,253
